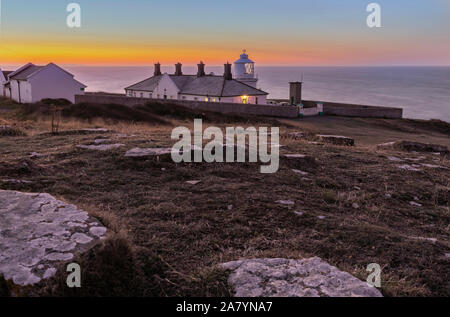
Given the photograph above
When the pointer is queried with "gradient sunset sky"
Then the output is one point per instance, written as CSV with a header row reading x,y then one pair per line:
x,y
274,32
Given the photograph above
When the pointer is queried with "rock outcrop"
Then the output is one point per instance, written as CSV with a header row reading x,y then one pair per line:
x,y
294,278
37,231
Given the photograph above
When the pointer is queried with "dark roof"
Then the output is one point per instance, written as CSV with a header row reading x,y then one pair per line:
x,y
209,85
25,73
148,84
6,73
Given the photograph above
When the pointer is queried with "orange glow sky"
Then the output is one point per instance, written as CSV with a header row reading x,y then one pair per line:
x,y
284,32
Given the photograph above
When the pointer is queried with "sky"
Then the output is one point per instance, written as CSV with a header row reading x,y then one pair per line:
x,y
274,32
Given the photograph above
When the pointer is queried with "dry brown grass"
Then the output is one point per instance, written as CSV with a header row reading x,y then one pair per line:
x,y
171,235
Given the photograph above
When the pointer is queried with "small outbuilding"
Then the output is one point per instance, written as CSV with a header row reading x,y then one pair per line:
x,y
32,83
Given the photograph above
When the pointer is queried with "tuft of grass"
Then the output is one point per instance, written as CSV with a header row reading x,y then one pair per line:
x,y
112,269
11,131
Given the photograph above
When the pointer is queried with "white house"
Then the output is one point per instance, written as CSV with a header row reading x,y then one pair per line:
x,y
31,83
202,87
4,91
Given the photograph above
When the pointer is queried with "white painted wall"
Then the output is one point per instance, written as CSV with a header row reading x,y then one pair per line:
x,y
2,84
53,82
21,91
167,87
139,93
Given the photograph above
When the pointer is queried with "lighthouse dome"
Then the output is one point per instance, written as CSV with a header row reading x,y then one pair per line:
x,y
244,59
244,69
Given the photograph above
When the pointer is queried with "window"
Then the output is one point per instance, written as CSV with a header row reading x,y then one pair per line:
x,y
195,98
142,95
256,100
244,99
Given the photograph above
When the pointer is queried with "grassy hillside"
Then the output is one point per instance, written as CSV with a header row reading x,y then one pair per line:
x,y
351,209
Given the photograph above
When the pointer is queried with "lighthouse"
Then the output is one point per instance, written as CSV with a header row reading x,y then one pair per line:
x,y
244,70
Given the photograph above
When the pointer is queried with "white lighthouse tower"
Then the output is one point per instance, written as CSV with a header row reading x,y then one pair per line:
x,y
244,70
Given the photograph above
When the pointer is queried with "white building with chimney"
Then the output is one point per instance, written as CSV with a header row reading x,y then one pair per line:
x,y
202,87
31,83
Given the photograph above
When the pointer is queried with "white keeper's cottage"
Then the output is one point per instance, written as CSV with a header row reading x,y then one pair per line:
x,y
202,87
31,83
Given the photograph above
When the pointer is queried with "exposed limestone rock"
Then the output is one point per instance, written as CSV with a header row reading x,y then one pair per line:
x,y
16,181
37,230
286,202
433,166
295,135
101,141
407,167
140,152
193,182
101,147
432,240
394,159
300,172
337,140
36,155
294,278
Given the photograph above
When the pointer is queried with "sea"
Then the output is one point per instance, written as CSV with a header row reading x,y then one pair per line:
x,y
423,92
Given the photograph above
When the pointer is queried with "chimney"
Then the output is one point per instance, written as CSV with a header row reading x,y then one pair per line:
x,y
178,71
201,70
157,69
295,94
227,74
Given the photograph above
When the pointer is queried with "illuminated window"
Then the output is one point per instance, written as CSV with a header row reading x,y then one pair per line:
x,y
244,99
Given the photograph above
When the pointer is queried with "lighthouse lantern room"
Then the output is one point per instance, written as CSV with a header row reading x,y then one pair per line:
x,y
244,70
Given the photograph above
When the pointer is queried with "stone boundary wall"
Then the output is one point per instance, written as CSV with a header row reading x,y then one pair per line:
x,y
231,108
350,110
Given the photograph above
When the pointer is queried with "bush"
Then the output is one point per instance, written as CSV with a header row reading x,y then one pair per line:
x,y
10,131
56,102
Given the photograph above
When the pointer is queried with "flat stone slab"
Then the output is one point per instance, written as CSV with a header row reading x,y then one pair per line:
x,y
337,140
101,147
195,182
407,167
143,152
37,231
311,277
